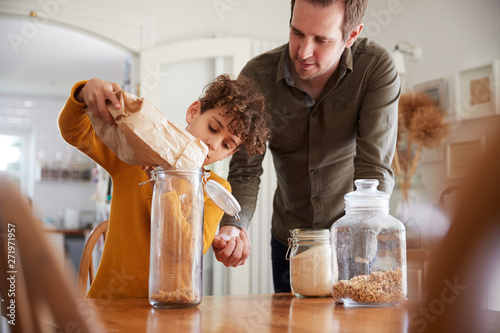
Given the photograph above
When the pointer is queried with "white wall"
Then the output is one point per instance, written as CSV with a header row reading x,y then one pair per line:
x,y
454,35
40,115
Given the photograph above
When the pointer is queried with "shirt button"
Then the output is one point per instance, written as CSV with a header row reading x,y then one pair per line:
x,y
314,143
313,172
313,114
343,105
315,199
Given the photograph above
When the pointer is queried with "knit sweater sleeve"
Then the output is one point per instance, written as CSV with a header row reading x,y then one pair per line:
x,y
76,129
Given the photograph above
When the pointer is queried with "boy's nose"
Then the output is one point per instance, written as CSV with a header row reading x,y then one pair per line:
x,y
213,144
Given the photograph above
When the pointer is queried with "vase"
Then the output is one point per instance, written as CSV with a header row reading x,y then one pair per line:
x,y
407,208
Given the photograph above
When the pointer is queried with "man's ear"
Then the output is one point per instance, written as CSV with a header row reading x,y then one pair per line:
x,y
192,111
354,35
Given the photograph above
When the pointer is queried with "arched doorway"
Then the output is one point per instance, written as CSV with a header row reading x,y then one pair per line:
x,y
40,62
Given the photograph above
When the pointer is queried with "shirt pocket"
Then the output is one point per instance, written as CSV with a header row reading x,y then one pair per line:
x,y
289,130
341,121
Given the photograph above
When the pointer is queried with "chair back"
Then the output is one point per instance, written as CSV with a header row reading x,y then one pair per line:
x,y
86,270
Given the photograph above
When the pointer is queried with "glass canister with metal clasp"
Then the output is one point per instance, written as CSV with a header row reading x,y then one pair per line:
x,y
176,253
310,256
370,249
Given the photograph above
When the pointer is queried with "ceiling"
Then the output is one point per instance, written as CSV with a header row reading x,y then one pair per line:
x,y
47,60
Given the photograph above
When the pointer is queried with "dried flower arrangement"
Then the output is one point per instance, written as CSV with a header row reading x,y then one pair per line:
x,y
421,125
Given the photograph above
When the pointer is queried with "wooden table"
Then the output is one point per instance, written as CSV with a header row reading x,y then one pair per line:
x,y
250,313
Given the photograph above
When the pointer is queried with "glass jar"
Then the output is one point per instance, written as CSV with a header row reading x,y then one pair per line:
x,y
310,257
175,270
370,247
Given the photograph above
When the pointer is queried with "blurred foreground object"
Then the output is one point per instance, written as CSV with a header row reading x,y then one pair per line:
x,y
36,290
459,272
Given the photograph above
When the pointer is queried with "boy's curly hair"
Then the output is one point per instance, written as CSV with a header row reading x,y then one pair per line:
x,y
242,101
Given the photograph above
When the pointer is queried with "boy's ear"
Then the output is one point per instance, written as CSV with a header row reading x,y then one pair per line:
x,y
192,111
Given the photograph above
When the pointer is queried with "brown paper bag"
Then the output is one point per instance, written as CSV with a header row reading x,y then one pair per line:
x,y
145,137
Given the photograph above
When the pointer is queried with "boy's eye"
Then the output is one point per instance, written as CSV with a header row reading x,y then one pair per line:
x,y
212,129
226,146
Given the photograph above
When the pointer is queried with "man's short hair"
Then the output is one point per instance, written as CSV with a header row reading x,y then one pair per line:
x,y
353,13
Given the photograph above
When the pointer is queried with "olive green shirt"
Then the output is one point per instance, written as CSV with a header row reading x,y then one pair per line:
x,y
320,147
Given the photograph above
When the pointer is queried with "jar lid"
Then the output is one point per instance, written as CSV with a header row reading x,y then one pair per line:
x,y
366,195
310,233
222,198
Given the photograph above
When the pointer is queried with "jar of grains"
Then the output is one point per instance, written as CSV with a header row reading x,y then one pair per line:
x,y
310,256
370,249
176,254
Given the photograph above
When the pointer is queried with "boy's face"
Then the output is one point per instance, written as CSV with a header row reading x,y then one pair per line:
x,y
212,129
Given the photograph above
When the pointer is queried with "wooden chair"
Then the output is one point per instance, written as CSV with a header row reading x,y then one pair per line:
x,y
40,292
86,269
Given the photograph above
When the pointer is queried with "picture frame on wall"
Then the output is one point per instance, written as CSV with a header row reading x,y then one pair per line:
x,y
478,91
437,90
462,155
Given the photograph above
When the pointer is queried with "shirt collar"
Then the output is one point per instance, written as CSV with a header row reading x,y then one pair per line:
x,y
283,63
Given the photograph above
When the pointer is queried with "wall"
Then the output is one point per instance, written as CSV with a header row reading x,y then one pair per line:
x,y
453,37
40,115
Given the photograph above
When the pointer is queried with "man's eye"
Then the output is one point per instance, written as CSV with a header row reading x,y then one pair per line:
x,y
297,33
322,41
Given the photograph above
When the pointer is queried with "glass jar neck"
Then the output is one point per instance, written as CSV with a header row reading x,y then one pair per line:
x,y
367,210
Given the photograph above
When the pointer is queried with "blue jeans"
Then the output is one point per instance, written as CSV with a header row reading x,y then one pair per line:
x,y
281,267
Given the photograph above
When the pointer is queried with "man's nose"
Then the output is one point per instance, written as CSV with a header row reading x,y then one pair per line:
x,y
306,48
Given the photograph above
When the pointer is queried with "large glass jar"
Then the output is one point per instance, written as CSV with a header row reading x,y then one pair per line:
x,y
310,256
370,247
175,270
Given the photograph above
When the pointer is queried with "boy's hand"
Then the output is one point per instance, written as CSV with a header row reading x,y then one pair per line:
x,y
232,246
95,93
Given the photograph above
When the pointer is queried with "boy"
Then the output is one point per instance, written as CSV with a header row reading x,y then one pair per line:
x,y
228,116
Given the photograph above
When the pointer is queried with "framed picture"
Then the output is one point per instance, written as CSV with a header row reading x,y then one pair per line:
x,y
462,155
437,89
478,91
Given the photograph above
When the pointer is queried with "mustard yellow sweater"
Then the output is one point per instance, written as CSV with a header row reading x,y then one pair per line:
x,y
124,267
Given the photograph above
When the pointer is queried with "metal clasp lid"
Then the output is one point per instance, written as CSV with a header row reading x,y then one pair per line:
x,y
152,179
221,197
292,243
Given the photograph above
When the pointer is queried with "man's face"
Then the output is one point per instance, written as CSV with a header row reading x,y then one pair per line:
x,y
316,42
212,129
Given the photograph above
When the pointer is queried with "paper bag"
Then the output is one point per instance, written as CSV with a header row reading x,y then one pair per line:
x,y
145,137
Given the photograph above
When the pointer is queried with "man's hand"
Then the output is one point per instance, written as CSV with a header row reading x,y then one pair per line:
x,y
95,93
232,246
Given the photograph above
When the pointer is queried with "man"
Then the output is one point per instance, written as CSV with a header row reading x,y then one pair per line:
x,y
333,99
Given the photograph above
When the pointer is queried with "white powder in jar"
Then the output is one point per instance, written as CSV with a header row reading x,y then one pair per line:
x,y
310,272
